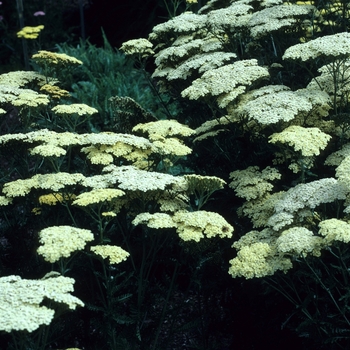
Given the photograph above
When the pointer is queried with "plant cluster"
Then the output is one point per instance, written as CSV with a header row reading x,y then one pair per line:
x,y
251,133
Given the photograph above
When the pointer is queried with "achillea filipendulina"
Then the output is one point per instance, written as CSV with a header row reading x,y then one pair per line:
x,y
334,230
335,158
156,220
185,23
54,198
96,196
132,179
226,82
43,58
30,32
306,195
197,224
141,47
21,301
115,254
203,185
54,182
278,17
252,183
164,128
61,241
336,46
48,151
276,106
258,260
309,141
54,91
299,241
75,108
22,78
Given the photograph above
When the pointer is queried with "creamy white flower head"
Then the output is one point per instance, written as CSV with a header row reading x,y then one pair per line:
x,y
48,151
115,254
260,210
226,79
277,17
30,98
258,260
164,128
197,224
200,63
276,106
306,195
334,230
21,300
133,179
55,59
61,241
337,157
22,78
328,46
309,141
96,196
156,220
170,146
75,108
252,183
343,171
231,18
137,47
185,23
299,241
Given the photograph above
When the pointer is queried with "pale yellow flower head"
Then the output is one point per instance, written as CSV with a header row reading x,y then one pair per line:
x,y
309,141
141,47
55,59
61,241
156,220
299,241
164,128
54,198
335,230
30,32
75,108
21,301
194,225
115,254
96,196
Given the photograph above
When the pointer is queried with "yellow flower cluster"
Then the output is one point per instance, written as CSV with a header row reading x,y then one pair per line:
x,y
30,32
191,226
21,301
75,108
54,91
54,198
96,196
334,230
258,255
299,241
61,241
309,141
252,183
115,254
56,59
137,47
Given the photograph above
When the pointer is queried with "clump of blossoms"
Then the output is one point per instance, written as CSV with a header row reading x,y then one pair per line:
x,y
115,254
61,241
252,183
43,58
30,32
190,226
138,47
21,301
